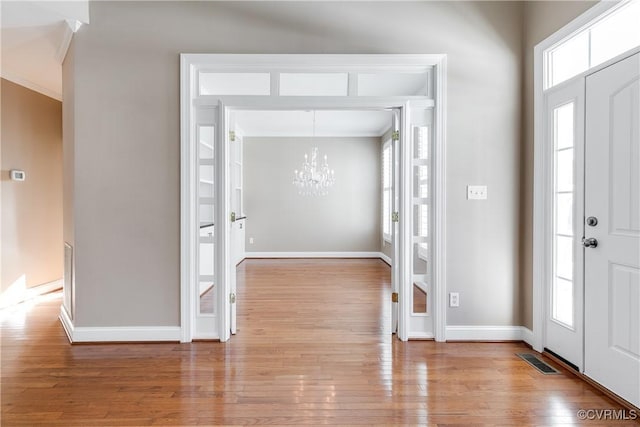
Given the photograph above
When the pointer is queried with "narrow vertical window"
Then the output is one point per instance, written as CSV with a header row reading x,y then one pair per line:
x,y
563,236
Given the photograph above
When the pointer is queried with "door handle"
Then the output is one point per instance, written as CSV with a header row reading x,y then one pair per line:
x,y
589,242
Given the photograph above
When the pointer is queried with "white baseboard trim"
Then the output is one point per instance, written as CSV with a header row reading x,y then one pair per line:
x,y
486,333
12,298
118,333
527,335
314,255
66,322
385,258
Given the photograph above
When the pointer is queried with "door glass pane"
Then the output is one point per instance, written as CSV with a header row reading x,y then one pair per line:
x,y
206,259
421,181
569,59
564,170
562,304
562,289
421,142
205,141
564,257
419,298
206,216
207,298
564,214
564,126
420,257
615,34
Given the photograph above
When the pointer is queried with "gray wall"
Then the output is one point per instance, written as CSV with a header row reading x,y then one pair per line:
x,y
126,136
31,213
542,18
281,220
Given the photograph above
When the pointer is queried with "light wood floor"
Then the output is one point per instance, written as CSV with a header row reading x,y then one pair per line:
x,y
313,347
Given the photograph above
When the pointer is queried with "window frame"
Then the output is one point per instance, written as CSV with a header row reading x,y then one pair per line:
x,y
587,27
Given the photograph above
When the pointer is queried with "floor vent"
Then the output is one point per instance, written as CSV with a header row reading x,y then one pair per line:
x,y
541,366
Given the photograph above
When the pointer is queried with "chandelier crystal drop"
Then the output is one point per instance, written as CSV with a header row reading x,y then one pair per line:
x,y
314,179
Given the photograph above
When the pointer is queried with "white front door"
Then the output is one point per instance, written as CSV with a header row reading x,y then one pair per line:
x,y
612,245
564,123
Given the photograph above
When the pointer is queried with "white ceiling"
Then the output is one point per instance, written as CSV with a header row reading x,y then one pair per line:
x,y
35,36
300,123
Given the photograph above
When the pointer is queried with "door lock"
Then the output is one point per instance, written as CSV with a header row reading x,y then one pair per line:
x,y
589,242
592,221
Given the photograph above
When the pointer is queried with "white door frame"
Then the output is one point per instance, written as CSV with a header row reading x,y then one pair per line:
x,y
543,170
353,64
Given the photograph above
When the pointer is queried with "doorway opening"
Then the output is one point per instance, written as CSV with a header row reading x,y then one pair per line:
x,y
410,85
290,230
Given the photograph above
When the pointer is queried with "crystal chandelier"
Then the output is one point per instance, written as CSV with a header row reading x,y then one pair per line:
x,y
314,179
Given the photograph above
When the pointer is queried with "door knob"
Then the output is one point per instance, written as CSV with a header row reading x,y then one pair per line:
x,y
589,242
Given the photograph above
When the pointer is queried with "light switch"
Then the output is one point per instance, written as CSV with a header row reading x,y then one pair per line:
x,y
476,192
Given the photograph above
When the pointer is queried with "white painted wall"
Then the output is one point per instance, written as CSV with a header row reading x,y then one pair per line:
x,y
281,220
125,133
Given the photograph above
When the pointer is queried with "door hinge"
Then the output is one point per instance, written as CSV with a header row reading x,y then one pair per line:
x,y
233,217
394,297
395,135
232,298
395,217
232,136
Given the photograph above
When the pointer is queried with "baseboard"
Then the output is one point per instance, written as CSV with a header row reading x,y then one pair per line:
x,y
527,336
66,322
487,333
385,258
12,298
118,334
313,254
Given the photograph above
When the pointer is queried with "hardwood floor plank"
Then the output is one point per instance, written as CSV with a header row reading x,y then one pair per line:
x,y
313,348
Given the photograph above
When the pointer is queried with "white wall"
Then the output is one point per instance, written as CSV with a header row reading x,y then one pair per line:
x,y
126,136
281,220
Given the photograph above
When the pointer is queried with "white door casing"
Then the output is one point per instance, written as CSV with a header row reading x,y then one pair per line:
x,y
194,98
564,296
612,268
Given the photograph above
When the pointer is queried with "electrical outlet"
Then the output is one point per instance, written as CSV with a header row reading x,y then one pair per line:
x,y
251,240
454,299
476,192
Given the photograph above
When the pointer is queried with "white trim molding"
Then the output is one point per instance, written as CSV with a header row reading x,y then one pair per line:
x,y
488,333
84,334
314,255
192,101
12,298
384,257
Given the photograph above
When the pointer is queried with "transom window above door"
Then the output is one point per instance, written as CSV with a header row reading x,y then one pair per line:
x,y
600,40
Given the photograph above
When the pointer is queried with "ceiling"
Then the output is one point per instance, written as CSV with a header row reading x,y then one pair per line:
x,y
35,36
332,123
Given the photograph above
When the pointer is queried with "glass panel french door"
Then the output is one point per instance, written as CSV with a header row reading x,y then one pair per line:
x,y
419,121
205,298
564,124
